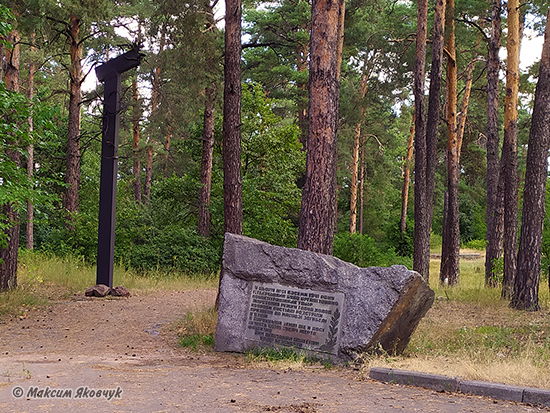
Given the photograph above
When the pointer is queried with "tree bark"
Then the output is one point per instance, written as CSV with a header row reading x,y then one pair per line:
x,y
354,179
463,114
8,255
317,218
361,183
136,167
232,180
495,201
148,172
426,136
406,178
509,161
72,175
355,157
421,254
206,161
450,270
526,285
29,230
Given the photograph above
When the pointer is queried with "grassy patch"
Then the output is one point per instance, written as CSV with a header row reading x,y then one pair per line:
x,y
471,333
43,279
285,357
196,330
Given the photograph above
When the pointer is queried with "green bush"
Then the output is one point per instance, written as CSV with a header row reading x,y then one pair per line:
x,y
476,244
402,243
363,251
173,248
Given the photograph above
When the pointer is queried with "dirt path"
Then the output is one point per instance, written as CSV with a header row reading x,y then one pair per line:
x,y
119,345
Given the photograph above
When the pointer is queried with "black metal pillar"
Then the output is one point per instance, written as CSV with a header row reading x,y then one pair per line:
x,y
110,74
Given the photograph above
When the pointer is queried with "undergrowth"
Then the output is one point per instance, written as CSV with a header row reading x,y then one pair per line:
x,y
46,278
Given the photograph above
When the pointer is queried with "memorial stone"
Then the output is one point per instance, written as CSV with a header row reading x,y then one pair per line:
x,y
283,297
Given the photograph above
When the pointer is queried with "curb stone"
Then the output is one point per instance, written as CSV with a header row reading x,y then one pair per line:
x,y
522,394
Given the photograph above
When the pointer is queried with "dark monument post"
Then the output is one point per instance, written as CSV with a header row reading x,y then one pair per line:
x,y
110,73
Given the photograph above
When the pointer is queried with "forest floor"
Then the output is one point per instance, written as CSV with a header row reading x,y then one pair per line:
x,y
130,344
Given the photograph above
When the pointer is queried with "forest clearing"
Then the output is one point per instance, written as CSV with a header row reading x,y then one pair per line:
x,y
381,132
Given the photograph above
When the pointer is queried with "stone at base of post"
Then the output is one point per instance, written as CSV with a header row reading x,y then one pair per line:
x,y
102,290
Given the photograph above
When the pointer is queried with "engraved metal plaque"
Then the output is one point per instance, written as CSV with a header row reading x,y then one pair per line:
x,y
294,317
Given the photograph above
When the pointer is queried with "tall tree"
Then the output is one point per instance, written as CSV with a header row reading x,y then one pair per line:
x,y
495,205
526,285
30,149
450,269
9,251
426,136
421,254
355,154
206,161
232,181
72,174
317,218
509,159
136,116
406,178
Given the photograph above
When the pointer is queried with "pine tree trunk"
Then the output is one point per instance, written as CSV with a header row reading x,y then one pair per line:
x,y
232,181
29,231
509,161
136,167
526,285
421,255
8,255
317,218
426,137
206,162
463,115
72,175
148,173
450,270
407,178
361,183
355,155
495,215
167,143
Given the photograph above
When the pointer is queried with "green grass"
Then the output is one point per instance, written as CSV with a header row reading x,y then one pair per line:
x,y
284,356
43,279
197,329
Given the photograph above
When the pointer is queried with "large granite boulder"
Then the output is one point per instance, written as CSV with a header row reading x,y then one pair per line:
x,y
276,296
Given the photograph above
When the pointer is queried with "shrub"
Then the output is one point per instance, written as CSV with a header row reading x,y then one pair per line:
x,y
476,244
363,251
173,248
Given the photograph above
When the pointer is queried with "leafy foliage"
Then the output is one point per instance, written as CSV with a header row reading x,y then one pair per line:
x,y
363,251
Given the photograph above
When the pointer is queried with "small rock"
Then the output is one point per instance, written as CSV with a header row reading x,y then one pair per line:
x,y
120,291
98,290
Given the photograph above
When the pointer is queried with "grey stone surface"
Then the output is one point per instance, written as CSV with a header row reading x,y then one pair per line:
x,y
381,308
120,291
536,396
437,382
98,290
495,390
431,381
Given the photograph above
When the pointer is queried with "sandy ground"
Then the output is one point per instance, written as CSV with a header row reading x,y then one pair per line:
x,y
119,349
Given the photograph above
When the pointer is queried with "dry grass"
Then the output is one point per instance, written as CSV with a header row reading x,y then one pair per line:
x,y
45,279
471,333
196,330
